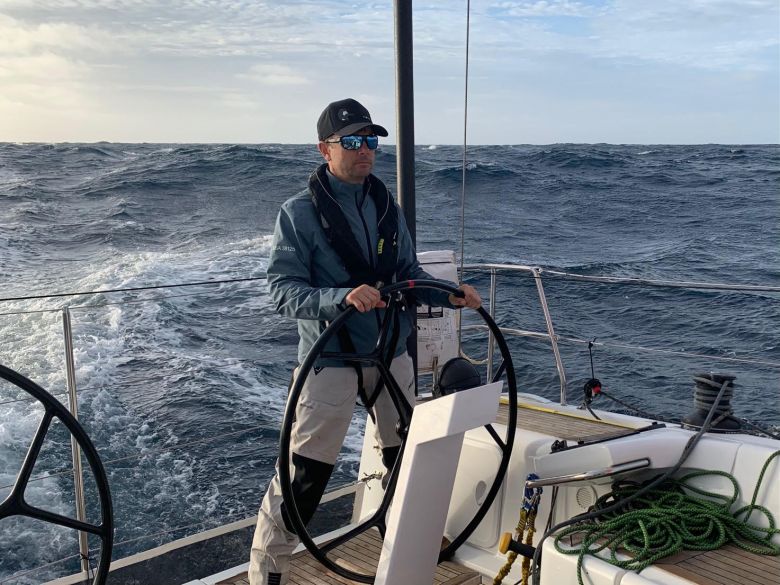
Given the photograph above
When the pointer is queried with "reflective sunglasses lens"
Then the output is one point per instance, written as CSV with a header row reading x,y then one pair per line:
x,y
351,142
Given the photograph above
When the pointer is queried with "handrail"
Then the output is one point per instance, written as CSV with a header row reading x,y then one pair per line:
x,y
590,475
491,340
625,280
546,336
78,476
537,273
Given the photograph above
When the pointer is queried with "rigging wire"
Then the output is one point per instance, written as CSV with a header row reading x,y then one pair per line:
x,y
14,578
137,301
29,398
221,522
465,143
137,381
125,302
161,450
130,289
32,312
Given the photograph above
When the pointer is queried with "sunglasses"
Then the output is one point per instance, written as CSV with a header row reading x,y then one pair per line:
x,y
354,142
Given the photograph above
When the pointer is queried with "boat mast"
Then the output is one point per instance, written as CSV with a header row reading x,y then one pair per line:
x,y
404,105
404,99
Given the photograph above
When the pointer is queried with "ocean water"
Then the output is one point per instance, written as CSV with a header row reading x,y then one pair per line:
x,y
182,389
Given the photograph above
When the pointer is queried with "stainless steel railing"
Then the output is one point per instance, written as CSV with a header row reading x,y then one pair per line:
x,y
537,273
78,476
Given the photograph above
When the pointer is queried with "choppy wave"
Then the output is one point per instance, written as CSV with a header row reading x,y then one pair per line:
x,y
189,384
578,158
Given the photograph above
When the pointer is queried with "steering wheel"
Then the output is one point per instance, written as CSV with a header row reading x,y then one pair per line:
x,y
378,358
15,504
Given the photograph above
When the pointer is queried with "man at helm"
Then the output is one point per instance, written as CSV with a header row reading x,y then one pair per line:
x,y
335,244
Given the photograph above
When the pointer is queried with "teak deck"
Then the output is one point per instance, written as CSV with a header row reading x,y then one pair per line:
x,y
362,556
729,565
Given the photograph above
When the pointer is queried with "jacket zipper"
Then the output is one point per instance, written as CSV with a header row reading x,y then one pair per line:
x,y
368,245
365,229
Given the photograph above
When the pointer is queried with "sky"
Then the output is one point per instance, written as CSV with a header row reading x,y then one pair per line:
x,y
250,71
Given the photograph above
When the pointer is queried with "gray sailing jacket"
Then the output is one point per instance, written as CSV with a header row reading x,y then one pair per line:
x,y
305,273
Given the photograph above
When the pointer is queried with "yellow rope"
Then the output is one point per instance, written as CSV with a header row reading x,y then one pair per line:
x,y
519,529
529,540
526,522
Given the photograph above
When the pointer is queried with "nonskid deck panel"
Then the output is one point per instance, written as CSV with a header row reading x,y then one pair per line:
x,y
559,424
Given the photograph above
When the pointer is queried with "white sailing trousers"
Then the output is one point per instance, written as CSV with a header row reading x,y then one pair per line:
x,y
322,419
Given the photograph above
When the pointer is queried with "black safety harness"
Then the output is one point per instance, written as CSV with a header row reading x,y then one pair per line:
x,y
340,236
361,270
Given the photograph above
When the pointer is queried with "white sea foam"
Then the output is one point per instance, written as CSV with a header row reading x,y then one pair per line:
x,y
104,338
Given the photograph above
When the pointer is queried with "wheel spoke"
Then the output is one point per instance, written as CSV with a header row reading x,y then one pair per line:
x,y
47,516
396,395
375,520
387,320
499,371
499,441
32,454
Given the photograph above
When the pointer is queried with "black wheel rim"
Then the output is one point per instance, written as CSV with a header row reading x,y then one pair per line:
x,y
377,519
15,504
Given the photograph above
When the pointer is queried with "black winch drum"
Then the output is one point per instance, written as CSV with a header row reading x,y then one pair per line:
x,y
704,394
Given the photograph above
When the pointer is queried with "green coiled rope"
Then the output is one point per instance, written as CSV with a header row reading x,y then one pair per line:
x,y
672,517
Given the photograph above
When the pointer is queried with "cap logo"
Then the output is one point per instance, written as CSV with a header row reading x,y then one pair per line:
x,y
343,115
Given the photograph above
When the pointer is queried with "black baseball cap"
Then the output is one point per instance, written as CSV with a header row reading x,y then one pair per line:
x,y
345,117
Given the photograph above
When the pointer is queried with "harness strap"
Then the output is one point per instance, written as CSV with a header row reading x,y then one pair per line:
x,y
342,239
369,401
348,346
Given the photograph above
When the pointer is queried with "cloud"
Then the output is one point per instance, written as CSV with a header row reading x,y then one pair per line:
x,y
274,74
218,27
247,57
45,67
19,38
545,8
711,34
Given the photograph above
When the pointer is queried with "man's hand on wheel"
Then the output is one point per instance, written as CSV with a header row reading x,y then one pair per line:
x,y
364,298
470,298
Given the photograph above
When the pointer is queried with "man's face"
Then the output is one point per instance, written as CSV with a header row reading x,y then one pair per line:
x,y
350,166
